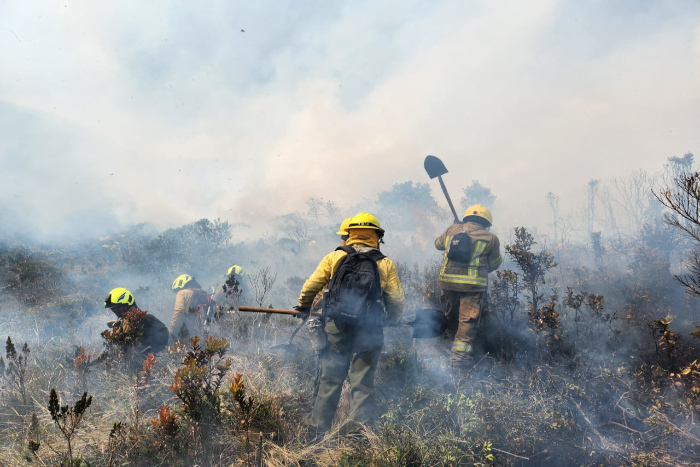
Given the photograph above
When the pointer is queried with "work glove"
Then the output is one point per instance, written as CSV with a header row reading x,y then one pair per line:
x,y
112,323
304,310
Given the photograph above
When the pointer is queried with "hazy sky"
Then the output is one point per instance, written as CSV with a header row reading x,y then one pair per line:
x,y
169,111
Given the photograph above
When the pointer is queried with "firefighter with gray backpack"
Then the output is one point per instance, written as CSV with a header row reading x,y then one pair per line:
x,y
362,295
471,252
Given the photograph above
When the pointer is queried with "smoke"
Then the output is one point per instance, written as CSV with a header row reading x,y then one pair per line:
x,y
169,112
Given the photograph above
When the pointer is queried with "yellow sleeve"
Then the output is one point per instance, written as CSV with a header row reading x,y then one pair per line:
x,y
393,292
182,305
495,258
440,241
318,280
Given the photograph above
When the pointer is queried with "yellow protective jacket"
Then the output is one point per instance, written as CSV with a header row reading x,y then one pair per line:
x,y
186,302
389,279
486,257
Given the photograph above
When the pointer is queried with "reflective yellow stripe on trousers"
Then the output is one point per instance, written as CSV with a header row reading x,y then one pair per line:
x,y
462,346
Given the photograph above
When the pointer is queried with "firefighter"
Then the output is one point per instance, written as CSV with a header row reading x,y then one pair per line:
x,y
463,282
191,303
134,328
344,235
353,346
343,231
229,295
315,325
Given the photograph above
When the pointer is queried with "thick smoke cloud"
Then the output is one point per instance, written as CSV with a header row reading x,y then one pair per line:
x,y
167,112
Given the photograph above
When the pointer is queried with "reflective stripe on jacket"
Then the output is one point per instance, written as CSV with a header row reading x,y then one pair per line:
x,y
486,257
392,290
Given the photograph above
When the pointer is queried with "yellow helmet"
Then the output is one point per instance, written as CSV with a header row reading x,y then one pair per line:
x,y
479,210
119,296
235,269
181,281
344,226
365,220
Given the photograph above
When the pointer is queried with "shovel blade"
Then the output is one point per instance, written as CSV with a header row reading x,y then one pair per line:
x,y
428,323
434,167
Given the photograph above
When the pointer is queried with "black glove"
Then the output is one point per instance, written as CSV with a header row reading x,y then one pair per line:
x,y
304,310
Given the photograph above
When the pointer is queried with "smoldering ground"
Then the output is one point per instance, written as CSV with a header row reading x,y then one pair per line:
x,y
595,376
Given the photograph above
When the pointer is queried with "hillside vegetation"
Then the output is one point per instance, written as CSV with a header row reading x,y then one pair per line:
x,y
591,355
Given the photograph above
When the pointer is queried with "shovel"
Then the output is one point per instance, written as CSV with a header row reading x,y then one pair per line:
x,y
436,168
278,311
426,323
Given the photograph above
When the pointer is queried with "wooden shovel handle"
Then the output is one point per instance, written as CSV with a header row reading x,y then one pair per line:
x,y
449,200
276,311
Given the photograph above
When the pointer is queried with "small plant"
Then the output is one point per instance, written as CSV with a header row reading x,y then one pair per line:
x,y
196,383
546,316
123,340
545,322
82,366
166,428
696,334
504,300
534,266
129,440
403,447
117,437
261,282
232,289
127,332
595,304
504,294
67,418
141,382
148,364
244,406
16,368
665,340
690,377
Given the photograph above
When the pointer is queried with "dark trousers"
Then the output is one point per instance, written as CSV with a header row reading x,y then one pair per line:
x,y
353,353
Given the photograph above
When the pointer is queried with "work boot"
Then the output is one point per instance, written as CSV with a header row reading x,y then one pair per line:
x,y
463,365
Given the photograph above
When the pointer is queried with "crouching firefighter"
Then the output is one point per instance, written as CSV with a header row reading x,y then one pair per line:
x,y
193,308
135,332
470,253
363,295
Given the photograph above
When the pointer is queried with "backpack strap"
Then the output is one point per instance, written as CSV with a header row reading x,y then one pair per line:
x,y
347,249
375,254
